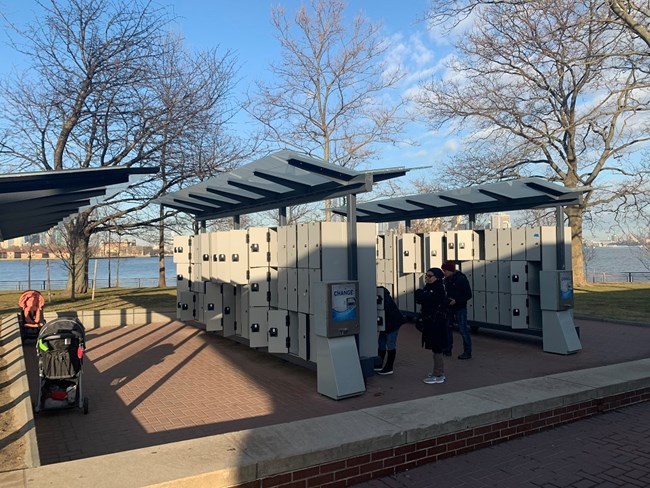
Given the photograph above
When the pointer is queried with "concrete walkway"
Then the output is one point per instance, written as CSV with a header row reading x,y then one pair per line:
x,y
174,403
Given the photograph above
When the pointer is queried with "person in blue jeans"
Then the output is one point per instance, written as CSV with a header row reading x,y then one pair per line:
x,y
387,340
459,292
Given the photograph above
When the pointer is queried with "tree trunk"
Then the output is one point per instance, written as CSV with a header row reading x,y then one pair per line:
x,y
78,247
577,257
162,282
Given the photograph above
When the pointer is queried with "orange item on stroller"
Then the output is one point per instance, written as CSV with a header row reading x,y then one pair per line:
x,y
31,305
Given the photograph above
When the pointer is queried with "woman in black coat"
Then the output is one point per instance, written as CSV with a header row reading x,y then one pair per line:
x,y
433,300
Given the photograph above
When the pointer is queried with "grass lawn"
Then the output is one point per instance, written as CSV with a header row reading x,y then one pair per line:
x,y
614,301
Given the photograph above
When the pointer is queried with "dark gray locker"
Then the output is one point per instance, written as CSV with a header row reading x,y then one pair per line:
x,y
505,309
478,275
533,244
492,307
519,311
504,276
258,327
292,289
478,300
242,311
258,287
303,290
283,286
279,332
229,307
303,337
492,276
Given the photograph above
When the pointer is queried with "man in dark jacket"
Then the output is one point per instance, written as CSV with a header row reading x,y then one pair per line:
x,y
459,293
387,341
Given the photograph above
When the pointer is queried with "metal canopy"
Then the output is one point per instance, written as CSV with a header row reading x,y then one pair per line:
x,y
494,197
277,180
35,202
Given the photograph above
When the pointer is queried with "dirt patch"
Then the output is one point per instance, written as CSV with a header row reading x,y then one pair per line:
x,y
12,449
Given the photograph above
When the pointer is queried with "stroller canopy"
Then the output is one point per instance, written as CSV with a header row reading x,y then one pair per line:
x,y
31,303
62,325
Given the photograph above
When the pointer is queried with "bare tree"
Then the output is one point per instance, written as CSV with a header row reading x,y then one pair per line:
x,y
329,95
547,88
108,86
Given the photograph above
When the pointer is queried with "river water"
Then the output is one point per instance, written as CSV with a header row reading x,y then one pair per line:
x,y
616,263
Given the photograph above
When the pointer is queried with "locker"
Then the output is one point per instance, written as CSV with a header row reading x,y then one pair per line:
x,y
470,310
409,245
490,237
278,331
402,290
272,278
258,247
292,246
504,245
196,249
294,333
259,326
478,300
242,311
410,292
258,287
229,304
518,235
434,250
380,247
505,311
492,307
380,270
389,271
185,306
519,311
196,280
467,268
314,245
282,287
199,312
282,246
220,250
303,290
389,245
292,289
518,278
272,240
533,244
504,276
465,240
491,276
478,275
204,256
334,255
549,250
182,283
532,269
238,257
182,249
303,337
302,245
534,312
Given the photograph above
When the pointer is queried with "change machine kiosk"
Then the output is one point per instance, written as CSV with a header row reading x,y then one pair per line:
x,y
559,333
336,321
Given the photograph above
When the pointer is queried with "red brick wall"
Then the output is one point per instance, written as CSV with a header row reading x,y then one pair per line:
x,y
350,471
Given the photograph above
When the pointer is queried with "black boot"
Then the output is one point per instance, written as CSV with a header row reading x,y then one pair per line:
x,y
388,369
380,363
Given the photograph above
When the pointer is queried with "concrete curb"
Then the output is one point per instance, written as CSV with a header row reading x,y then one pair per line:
x,y
19,387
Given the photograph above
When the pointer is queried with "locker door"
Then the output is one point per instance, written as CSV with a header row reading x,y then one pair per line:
x,y
303,290
238,257
490,241
282,286
408,253
258,324
519,311
434,249
243,310
278,331
182,249
292,289
504,276
220,250
518,243
504,248
258,287
213,307
204,256
314,245
505,310
303,337
492,307
258,247
478,300
491,276
229,304
302,246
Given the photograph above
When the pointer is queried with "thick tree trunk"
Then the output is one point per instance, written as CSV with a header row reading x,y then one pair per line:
x,y
577,257
78,247
162,282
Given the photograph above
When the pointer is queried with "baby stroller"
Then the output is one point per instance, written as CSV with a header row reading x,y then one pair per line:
x,y
60,348
31,319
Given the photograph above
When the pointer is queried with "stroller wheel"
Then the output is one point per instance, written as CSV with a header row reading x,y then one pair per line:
x,y
85,406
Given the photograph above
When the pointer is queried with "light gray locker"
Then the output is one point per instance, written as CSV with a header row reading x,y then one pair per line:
x,y
258,327
380,270
278,331
213,304
302,245
182,249
380,247
519,311
303,337
295,338
229,305
242,311
196,249
505,309
401,298
533,244
258,247
518,278
518,235
491,276
292,246
334,255
492,307
282,246
303,290
272,239
196,277
314,245
549,251
478,275
490,242
470,310
504,276
272,278
408,245
220,250
199,312
390,245
185,310
389,271
466,240
204,256
258,287
283,287
238,257
434,250
467,268
292,289
478,300
504,244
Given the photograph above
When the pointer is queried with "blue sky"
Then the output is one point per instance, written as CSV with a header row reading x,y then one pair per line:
x,y
244,27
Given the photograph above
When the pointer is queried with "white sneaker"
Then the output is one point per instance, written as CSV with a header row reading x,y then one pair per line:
x,y
432,380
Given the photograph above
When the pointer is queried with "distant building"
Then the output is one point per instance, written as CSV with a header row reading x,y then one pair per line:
x,y
501,221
